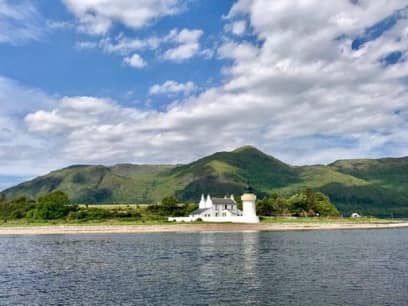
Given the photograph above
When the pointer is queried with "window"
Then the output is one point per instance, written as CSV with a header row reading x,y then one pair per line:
x,y
226,206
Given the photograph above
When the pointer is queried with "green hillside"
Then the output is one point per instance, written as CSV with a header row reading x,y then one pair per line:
x,y
378,187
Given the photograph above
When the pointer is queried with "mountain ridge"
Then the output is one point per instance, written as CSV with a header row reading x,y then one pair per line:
x,y
370,186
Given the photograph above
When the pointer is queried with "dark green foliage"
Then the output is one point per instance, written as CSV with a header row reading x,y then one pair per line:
x,y
95,195
90,214
16,209
169,202
303,204
275,205
310,203
55,205
265,207
211,185
369,199
170,207
239,202
78,178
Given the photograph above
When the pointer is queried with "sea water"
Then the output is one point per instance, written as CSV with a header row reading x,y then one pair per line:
x,y
345,267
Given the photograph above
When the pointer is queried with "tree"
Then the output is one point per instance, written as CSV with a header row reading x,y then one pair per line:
x,y
311,203
281,206
54,205
169,206
15,209
265,207
238,200
169,201
323,206
298,204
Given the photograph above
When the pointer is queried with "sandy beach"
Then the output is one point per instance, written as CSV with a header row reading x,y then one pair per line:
x,y
190,228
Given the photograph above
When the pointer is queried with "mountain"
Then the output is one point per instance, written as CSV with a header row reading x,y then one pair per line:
x,y
377,186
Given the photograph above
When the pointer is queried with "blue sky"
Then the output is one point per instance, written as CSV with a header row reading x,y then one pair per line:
x,y
169,81
52,63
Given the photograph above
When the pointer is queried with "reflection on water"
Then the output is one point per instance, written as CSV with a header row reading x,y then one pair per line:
x,y
286,268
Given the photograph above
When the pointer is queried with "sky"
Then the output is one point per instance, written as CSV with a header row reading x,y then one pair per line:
x,y
170,81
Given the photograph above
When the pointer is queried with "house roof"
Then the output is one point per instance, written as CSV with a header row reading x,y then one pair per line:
x,y
223,201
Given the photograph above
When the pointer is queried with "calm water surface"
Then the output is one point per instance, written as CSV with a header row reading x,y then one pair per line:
x,y
269,268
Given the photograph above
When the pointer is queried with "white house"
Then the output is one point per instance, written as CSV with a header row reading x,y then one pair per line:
x,y
355,215
224,210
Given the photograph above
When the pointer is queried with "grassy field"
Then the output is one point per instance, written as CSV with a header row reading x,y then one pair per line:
x,y
29,223
325,220
264,220
114,206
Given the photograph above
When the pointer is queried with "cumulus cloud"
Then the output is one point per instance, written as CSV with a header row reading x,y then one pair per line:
x,y
92,129
97,16
172,87
187,44
180,45
76,113
126,45
135,61
20,21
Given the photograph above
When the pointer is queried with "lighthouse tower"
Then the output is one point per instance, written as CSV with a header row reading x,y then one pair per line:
x,y
248,206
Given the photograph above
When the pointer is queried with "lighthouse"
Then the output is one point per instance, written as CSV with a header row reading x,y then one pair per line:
x,y
213,209
249,206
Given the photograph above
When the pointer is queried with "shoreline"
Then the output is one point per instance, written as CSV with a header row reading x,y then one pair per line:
x,y
190,228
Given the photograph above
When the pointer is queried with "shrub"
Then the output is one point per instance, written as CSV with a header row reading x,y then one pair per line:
x,y
90,214
16,209
54,205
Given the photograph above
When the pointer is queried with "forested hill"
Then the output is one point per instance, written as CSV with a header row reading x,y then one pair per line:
x,y
372,186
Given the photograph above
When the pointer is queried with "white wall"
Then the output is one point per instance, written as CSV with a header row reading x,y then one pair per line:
x,y
233,219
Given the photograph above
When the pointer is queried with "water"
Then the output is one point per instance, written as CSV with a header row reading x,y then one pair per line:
x,y
268,268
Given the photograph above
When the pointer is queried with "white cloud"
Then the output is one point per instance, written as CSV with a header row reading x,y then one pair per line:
x,y
76,113
181,45
135,61
238,51
97,16
19,22
237,28
126,45
187,44
172,87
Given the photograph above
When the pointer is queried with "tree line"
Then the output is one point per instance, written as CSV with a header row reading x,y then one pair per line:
x,y
306,203
57,205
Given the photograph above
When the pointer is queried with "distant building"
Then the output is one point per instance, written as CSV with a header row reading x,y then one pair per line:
x,y
224,210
